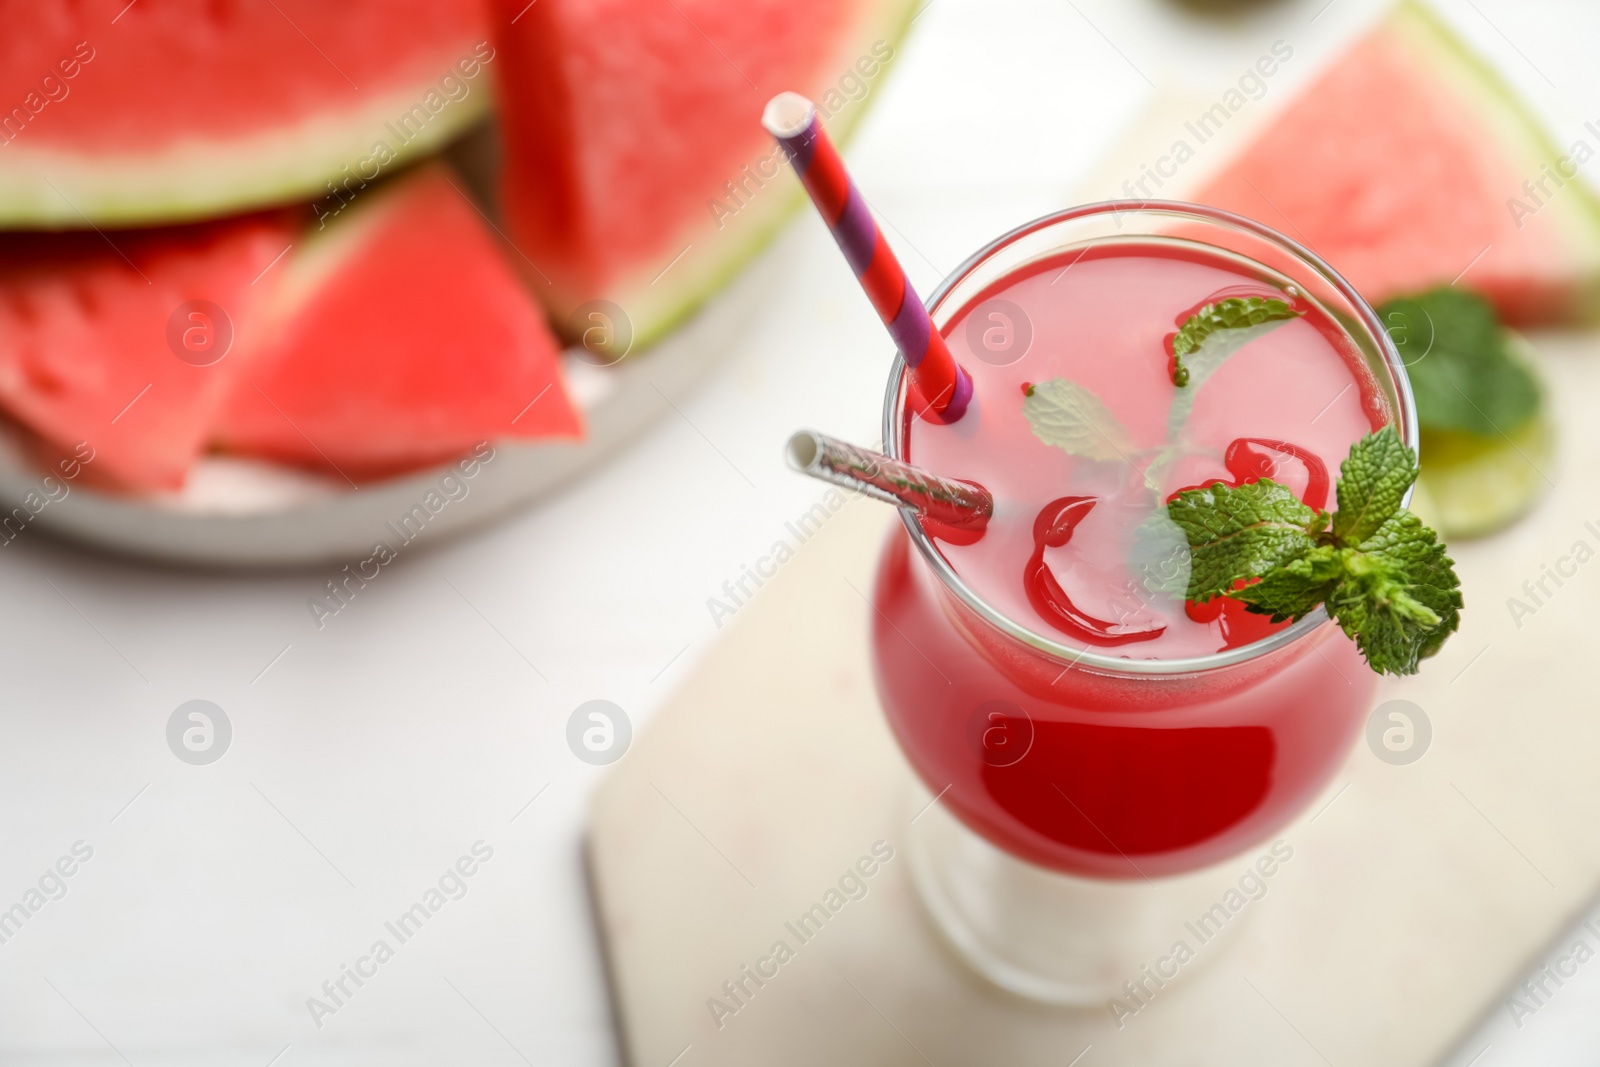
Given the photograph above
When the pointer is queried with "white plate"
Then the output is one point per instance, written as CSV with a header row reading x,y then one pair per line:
x,y
242,513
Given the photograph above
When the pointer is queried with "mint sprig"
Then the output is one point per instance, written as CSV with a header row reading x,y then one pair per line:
x,y
1464,367
1382,575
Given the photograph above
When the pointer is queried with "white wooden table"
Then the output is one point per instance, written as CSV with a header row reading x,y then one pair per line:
x,y
368,757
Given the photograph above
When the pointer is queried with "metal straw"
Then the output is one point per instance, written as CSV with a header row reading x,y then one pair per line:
x,y
881,477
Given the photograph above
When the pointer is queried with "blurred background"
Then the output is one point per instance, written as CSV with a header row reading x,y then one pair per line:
x,y
421,718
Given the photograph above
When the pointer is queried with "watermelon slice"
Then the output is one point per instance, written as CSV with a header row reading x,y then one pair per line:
x,y
130,113
637,171
402,339
1404,167
99,342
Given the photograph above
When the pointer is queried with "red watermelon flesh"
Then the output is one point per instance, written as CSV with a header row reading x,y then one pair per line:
x,y
405,340
163,110
85,354
625,121
1402,166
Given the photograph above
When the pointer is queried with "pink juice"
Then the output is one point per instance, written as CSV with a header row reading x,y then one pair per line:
x,y
1103,321
1070,765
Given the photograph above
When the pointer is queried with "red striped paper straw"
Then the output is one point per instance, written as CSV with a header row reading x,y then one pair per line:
x,y
792,120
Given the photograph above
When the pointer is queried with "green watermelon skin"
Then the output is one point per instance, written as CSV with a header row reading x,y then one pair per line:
x,y
401,339
623,122
1401,166
85,354
118,114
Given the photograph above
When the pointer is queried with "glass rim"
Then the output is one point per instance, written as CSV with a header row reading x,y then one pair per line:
x,y
1405,418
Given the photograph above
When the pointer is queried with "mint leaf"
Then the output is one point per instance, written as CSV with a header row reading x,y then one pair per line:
x,y
1241,533
1383,576
1372,482
1465,370
1230,314
1159,556
1065,414
1294,589
1211,335
1401,598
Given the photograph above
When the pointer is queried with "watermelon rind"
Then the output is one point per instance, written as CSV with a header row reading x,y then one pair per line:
x,y
1575,209
44,188
657,303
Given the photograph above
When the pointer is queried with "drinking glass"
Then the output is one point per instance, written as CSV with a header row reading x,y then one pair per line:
x,y
1077,809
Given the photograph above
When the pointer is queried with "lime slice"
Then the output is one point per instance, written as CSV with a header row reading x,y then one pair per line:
x,y
1471,486
1422,506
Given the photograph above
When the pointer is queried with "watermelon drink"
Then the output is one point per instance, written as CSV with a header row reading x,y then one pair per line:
x,y
1075,717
